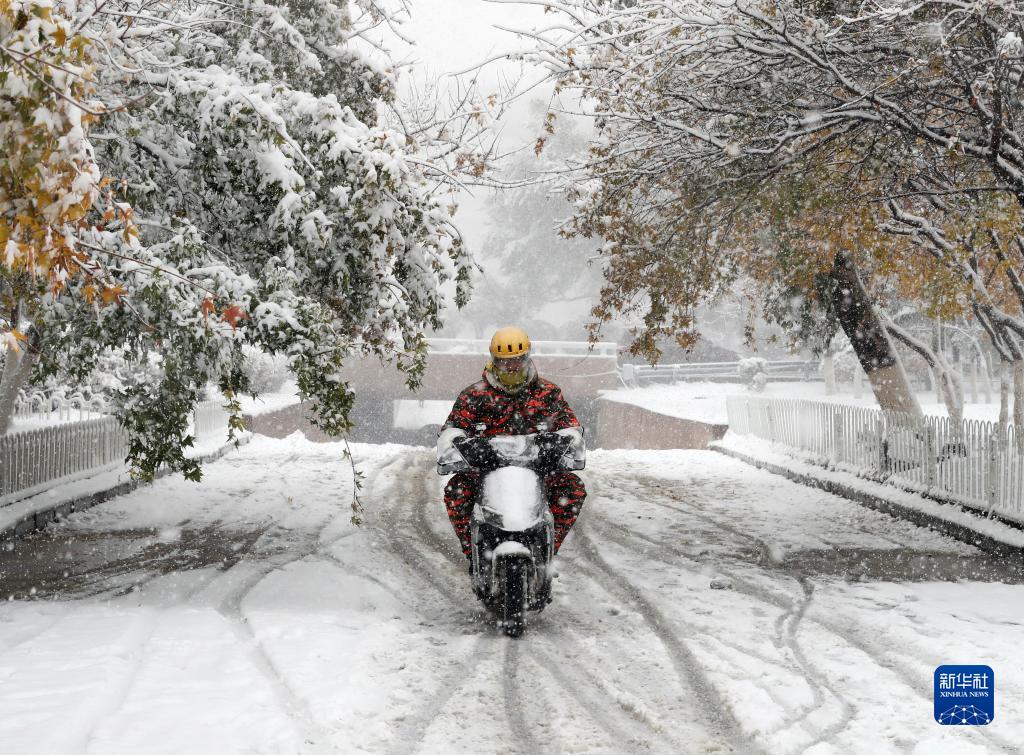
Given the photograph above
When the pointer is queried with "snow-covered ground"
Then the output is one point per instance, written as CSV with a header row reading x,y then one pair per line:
x,y
288,395
705,402
248,614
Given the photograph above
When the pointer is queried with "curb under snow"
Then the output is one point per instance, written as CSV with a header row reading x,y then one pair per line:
x,y
949,518
35,512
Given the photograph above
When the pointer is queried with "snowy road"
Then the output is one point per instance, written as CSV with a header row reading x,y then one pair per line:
x,y
247,614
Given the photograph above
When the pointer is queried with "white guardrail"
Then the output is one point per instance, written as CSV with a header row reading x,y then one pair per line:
x,y
639,374
32,461
539,348
978,464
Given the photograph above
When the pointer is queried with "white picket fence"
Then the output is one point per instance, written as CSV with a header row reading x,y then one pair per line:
x,y
32,461
209,420
975,463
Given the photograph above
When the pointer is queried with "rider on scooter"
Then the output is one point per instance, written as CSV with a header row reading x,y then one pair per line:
x,y
511,399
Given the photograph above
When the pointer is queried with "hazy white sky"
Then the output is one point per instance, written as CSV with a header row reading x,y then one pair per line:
x,y
455,35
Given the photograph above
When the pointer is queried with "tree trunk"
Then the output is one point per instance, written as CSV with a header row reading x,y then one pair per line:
x,y
871,343
17,370
974,381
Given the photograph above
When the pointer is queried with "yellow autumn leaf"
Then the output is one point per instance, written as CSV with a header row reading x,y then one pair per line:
x,y
112,294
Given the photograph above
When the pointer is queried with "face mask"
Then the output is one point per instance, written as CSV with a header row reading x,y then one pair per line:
x,y
512,372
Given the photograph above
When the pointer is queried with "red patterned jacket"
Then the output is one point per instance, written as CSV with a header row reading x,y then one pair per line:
x,y
506,413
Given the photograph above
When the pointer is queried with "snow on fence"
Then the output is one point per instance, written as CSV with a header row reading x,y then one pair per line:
x,y
978,464
32,461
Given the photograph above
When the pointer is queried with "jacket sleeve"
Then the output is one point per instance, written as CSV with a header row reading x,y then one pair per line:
x,y
561,411
463,414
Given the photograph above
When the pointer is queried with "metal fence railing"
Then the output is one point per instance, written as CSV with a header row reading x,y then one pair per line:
x,y
642,374
32,461
48,405
976,463
538,348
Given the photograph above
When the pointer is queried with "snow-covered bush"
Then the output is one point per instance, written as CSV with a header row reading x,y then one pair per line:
x,y
753,371
266,373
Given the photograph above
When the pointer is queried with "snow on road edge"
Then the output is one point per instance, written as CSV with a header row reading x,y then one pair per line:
x,y
803,469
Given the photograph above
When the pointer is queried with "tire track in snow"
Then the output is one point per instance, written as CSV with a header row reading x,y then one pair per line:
x,y
16,640
609,532
427,533
114,699
633,724
786,627
515,707
402,506
118,691
410,732
785,634
683,660
296,707
916,682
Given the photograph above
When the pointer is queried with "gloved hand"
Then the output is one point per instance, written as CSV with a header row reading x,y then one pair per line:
x,y
575,456
449,459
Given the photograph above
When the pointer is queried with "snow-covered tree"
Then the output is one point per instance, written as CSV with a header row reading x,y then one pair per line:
x,y
260,200
801,144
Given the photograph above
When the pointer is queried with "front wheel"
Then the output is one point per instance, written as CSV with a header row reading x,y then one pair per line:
x,y
514,597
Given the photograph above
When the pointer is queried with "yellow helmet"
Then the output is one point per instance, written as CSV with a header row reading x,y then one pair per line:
x,y
509,342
